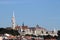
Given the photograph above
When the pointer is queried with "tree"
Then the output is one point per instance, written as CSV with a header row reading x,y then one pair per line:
x,y
10,31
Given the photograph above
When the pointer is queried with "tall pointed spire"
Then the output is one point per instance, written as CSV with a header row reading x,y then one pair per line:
x,y
13,21
54,30
13,14
23,24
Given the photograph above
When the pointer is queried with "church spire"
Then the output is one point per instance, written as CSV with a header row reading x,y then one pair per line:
x,y
54,30
13,21
13,14
23,24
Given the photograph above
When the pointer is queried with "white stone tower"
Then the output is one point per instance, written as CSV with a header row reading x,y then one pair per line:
x,y
13,21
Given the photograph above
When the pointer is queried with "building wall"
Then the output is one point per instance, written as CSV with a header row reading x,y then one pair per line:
x,y
1,38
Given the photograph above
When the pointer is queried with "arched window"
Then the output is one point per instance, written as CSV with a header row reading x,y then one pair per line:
x,y
42,32
46,32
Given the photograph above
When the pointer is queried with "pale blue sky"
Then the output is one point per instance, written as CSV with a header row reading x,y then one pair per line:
x,y
46,13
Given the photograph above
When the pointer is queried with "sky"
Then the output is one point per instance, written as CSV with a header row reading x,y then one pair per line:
x,y
46,13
